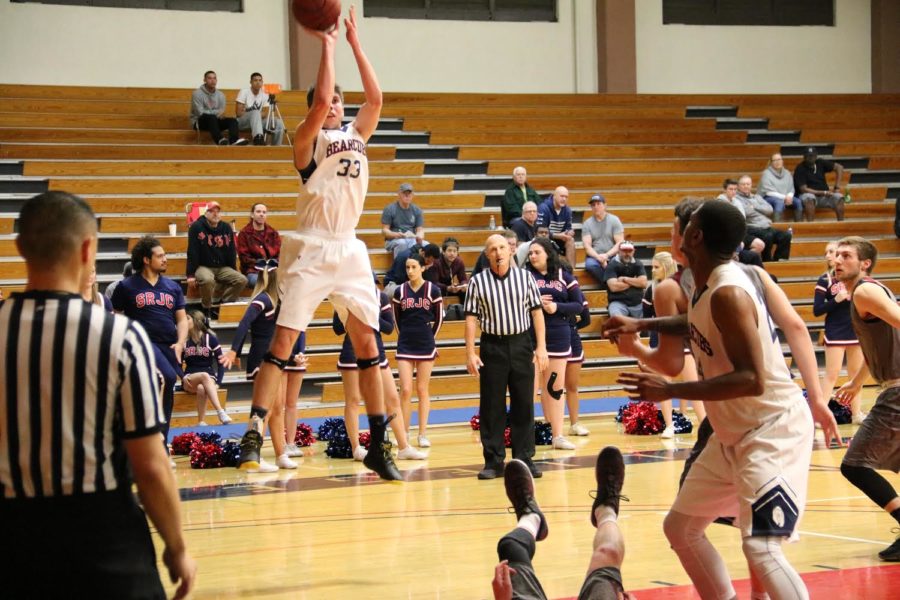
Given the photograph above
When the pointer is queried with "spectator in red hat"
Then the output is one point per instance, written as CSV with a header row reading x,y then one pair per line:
x,y
211,258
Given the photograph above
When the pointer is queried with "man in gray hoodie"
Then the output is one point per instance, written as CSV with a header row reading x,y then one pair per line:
x,y
207,110
758,214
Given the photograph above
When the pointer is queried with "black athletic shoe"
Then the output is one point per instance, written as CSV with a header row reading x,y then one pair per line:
x,y
251,444
892,552
490,472
535,472
259,140
382,462
520,491
610,474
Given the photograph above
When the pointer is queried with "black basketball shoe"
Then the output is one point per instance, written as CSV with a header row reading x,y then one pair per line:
x,y
380,460
251,444
892,552
610,474
520,491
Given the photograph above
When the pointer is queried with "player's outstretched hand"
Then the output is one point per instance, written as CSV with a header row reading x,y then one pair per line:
x,y
618,325
330,35
502,582
645,386
824,417
350,25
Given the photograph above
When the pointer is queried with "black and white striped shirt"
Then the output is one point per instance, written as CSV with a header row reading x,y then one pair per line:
x,y
74,381
503,304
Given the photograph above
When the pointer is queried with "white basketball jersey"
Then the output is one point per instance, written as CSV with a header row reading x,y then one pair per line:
x,y
733,419
332,197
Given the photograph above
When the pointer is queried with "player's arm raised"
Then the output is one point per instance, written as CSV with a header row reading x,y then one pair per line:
x,y
369,113
308,129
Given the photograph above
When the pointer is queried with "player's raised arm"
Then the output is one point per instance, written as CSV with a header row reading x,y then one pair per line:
x,y
308,129
370,111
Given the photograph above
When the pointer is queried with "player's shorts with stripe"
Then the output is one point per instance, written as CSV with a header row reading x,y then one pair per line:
x,y
347,357
316,265
877,441
762,479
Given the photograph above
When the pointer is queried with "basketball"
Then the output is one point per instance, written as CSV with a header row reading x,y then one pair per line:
x,y
317,14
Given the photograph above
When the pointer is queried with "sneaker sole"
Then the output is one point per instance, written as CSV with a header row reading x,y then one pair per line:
x,y
250,464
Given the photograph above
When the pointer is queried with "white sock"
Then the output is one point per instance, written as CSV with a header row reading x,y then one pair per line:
x,y
605,514
530,523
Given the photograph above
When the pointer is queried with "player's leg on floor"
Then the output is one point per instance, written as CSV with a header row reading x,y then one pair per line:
x,y
405,374
423,383
766,559
352,398
609,545
378,458
398,425
265,390
881,492
705,567
291,394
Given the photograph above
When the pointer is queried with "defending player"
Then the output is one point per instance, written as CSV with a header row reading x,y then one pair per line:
x,y
756,463
876,320
323,258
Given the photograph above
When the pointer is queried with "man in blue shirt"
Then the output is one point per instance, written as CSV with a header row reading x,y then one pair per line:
x,y
402,222
555,214
157,303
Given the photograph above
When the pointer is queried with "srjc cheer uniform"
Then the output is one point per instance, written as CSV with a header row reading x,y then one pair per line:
x,y
838,326
203,357
324,258
419,316
564,290
347,357
259,321
576,323
756,464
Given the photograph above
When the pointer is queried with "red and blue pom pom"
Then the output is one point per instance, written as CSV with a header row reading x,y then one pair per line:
x,y
641,418
182,443
543,435
304,436
475,422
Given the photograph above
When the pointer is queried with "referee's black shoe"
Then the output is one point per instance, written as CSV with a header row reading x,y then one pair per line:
x,y
251,444
381,461
610,474
520,490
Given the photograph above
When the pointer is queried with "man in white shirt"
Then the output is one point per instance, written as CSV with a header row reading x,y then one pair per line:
x,y
248,107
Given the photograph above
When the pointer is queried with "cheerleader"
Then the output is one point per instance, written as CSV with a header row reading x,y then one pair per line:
x,y
352,396
203,372
832,300
418,312
561,299
259,322
575,361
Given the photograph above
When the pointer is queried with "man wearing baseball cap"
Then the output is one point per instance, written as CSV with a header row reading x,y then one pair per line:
x,y
402,222
601,233
626,280
211,259
810,184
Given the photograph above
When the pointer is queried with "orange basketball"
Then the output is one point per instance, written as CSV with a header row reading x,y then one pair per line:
x,y
317,14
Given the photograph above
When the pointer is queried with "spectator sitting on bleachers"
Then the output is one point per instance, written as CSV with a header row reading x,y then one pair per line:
x,y
402,222
249,108
525,226
396,274
555,214
482,262
521,252
809,182
257,241
730,195
431,253
776,186
451,271
516,196
601,234
626,279
207,110
211,258
127,271
758,213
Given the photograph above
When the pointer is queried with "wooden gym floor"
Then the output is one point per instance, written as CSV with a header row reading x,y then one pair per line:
x,y
332,530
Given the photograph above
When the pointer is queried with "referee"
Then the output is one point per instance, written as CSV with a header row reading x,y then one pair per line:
x,y
79,413
507,302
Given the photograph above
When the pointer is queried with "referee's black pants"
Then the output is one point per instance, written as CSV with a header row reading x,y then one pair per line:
x,y
508,363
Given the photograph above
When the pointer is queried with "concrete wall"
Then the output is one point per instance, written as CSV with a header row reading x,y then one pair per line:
x,y
765,60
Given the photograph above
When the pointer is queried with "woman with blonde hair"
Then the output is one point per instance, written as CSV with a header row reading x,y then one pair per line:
x,y
203,372
832,300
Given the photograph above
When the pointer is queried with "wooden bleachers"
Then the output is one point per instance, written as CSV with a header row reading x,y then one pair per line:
x,y
139,166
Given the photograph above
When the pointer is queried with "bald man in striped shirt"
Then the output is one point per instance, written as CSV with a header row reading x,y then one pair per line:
x,y
80,417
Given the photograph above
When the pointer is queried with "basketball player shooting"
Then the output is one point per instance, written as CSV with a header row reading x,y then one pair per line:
x,y
323,258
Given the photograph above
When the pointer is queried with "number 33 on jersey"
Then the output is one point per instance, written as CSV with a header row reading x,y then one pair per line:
x,y
334,184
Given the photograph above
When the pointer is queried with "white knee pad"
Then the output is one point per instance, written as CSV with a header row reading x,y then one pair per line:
x,y
765,557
